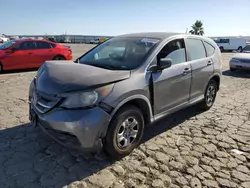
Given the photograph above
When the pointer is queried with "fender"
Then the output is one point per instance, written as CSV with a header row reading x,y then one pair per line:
x,y
213,75
128,99
121,103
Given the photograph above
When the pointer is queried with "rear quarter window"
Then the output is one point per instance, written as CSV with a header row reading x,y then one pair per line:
x,y
209,48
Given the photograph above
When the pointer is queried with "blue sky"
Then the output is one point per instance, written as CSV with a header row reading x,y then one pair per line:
x,y
114,17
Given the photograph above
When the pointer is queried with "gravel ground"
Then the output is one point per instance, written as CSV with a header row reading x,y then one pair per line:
x,y
186,149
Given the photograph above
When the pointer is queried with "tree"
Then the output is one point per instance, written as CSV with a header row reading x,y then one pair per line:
x,y
197,28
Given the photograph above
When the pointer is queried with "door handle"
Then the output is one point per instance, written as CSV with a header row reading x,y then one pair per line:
x,y
30,53
186,71
209,63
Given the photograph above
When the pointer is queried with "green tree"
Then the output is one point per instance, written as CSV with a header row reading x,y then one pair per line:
x,y
197,28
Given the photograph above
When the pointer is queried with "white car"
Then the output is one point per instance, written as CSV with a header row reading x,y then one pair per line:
x,y
95,41
241,61
4,39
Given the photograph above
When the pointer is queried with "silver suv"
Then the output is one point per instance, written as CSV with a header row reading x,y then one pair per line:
x,y
107,96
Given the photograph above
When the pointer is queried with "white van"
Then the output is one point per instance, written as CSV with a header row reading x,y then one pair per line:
x,y
231,43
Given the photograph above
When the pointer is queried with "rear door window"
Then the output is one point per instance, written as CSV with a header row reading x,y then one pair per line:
x,y
196,49
43,45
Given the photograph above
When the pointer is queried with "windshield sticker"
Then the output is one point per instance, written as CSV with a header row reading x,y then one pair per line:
x,y
148,40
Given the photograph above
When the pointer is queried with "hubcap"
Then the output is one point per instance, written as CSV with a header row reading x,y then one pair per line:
x,y
210,95
127,132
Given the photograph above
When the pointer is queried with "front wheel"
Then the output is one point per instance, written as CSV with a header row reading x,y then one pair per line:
x,y
209,95
125,132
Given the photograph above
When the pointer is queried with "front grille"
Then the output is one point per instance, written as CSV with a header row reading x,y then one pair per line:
x,y
43,102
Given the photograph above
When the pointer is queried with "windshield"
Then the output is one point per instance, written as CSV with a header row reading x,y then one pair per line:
x,y
120,53
246,49
6,45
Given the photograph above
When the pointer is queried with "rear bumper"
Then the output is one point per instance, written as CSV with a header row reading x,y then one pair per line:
x,y
69,57
76,129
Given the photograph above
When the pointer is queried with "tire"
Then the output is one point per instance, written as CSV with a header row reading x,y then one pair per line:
x,y
1,68
59,57
208,101
221,49
240,48
232,69
118,150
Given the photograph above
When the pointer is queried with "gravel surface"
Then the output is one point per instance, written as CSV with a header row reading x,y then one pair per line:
x,y
186,149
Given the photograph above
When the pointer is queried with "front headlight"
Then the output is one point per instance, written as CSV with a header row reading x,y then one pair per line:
x,y
86,98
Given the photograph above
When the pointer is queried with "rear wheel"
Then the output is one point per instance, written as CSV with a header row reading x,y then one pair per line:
x,y
221,49
209,95
240,48
125,132
59,57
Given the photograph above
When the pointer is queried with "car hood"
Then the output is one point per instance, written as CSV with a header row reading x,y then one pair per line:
x,y
242,56
55,77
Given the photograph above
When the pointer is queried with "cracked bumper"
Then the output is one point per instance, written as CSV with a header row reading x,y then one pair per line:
x,y
78,129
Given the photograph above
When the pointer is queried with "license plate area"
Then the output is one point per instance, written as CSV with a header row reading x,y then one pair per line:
x,y
33,117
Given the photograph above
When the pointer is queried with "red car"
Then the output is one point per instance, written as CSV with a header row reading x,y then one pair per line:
x,y
29,53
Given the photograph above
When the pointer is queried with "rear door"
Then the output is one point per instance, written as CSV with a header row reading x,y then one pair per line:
x,y
44,51
201,63
172,85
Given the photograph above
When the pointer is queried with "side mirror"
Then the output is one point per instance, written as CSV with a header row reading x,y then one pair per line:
x,y
164,63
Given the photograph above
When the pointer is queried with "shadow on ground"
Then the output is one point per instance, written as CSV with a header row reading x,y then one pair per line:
x,y
18,71
237,74
29,158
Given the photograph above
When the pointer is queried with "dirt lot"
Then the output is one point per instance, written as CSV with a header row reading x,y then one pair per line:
x,y
187,149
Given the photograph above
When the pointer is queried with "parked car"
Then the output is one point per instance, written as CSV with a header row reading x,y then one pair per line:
x,y
241,61
95,41
29,53
4,39
108,96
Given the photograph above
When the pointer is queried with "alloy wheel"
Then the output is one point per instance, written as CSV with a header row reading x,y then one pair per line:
x,y
127,133
210,95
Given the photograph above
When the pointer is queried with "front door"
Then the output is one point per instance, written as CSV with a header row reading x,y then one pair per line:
x,y
22,57
172,85
201,61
